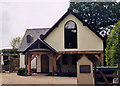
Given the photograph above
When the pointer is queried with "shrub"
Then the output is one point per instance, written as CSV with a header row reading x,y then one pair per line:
x,y
113,46
21,72
10,51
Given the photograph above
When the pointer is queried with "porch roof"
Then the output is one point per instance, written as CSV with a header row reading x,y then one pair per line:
x,y
43,47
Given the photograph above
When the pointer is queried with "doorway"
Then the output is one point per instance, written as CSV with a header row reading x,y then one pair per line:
x,y
44,63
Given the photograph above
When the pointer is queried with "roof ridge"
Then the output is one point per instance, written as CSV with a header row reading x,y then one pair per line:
x,y
37,28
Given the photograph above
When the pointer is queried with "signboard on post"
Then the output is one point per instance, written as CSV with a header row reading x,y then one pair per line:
x,y
85,71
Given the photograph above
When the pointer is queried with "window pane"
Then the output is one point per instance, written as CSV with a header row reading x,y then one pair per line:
x,y
70,25
29,38
70,35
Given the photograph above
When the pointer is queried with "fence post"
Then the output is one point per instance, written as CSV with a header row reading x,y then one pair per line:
x,y
119,73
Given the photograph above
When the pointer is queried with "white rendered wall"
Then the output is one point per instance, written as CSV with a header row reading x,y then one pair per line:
x,y
87,40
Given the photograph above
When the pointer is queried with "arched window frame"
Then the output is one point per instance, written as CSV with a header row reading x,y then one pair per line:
x,y
70,32
29,38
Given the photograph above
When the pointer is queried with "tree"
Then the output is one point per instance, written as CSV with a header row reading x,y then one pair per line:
x,y
98,15
113,46
15,42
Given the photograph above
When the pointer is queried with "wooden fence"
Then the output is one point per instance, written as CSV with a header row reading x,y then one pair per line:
x,y
108,76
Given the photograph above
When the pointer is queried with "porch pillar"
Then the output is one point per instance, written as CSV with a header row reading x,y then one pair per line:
x,y
29,65
55,64
26,62
102,59
52,64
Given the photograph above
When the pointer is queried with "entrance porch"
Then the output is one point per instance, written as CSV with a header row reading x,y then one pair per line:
x,y
43,56
62,63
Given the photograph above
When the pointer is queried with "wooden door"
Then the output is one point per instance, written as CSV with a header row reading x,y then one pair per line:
x,y
44,64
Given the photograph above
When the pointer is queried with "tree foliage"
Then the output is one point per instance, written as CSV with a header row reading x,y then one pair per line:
x,y
98,15
15,42
113,46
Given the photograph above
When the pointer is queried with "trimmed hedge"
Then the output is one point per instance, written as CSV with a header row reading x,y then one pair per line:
x,y
21,72
9,51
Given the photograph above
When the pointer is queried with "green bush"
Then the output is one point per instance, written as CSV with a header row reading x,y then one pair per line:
x,y
10,51
21,72
112,51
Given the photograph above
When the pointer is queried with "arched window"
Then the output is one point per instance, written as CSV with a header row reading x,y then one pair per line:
x,y
70,34
29,38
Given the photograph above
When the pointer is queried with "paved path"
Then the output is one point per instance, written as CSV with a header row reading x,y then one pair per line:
x,y
12,78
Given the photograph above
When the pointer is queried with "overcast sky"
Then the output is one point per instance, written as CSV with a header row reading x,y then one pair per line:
x,y
18,15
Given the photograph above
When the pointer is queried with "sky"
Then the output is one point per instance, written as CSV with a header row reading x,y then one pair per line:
x,y
18,15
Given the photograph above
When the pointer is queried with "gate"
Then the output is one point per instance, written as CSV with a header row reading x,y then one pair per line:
x,y
107,76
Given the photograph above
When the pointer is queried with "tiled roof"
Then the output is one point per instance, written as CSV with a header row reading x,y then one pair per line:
x,y
35,33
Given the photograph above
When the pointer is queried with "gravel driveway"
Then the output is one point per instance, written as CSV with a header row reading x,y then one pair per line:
x,y
12,78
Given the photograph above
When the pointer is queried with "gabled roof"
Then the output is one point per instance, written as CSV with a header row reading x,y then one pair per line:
x,y
35,33
46,31
60,20
43,45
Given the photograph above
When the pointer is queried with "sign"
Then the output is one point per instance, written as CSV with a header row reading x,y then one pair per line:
x,y
85,69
